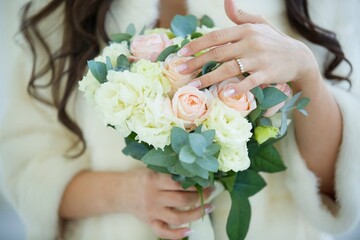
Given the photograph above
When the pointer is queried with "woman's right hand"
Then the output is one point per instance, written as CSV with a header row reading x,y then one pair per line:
x,y
156,199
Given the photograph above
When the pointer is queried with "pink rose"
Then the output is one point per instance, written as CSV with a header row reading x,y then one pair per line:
x,y
191,105
285,88
242,102
149,46
177,80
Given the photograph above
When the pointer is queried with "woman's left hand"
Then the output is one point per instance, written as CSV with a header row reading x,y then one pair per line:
x,y
267,54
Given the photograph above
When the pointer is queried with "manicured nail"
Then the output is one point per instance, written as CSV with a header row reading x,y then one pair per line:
x,y
181,67
209,209
188,232
196,84
183,52
229,92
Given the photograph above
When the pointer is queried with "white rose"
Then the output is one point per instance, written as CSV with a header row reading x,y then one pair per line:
x,y
113,51
232,133
89,85
234,159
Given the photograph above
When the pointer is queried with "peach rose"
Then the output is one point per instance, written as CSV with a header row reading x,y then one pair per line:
x,y
177,80
149,46
243,102
285,88
191,105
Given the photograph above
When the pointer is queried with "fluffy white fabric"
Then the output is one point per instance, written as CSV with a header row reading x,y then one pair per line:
x,y
35,172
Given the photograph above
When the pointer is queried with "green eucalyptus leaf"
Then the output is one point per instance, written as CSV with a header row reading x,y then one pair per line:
x,y
255,114
209,66
201,181
195,169
258,93
184,42
239,217
182,26
302,103
272,97
98,70
291,103
109,65
264,121
123,63
213,149
268,160
248,182
179,170
196,35
158,157
209,136
159,169
209,163
284,124
198,143
166,52
142,30
207,21
178,178
135,149
179,138
120,37
131,29
198,129
186,154
188,183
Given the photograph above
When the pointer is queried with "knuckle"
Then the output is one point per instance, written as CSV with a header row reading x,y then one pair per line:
x,y
231,68
253,81
214,36
217,54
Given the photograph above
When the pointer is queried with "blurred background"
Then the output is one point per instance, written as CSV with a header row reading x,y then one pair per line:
x,y
11,227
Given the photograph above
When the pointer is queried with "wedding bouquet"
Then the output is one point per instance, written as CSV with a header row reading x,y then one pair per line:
x,y
197,136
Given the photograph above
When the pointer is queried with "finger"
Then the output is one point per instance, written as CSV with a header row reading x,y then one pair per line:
x,y
222,53
177,217
225,71
163,230
247,84
178,199
165,182
215,38
239,16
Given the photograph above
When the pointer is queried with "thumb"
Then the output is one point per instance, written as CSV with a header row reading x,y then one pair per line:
x,y
239,16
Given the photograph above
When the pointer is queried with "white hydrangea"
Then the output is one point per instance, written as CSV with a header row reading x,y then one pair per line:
x,y
113,51
232,133
89,85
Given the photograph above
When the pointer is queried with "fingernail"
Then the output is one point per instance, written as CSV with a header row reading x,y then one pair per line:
x,y
188,232
181,68
229,92
196,84
183,52
209,209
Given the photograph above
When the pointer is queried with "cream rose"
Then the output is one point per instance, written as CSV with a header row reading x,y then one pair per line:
x,y
113,51
149,46
285,88
191,105
234,159
242,102
177,80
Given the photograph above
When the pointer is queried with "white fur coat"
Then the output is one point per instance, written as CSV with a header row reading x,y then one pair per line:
x,y
35,171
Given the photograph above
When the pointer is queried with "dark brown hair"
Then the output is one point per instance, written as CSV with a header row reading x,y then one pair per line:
x,y
84,27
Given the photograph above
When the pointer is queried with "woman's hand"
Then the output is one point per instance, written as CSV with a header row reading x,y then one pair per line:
x,y
267,54
156,199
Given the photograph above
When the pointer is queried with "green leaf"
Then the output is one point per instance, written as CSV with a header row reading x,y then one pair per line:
x,y
207,21
229,181
202,181
196,35
208,67
122,63
264,121
179,138
239,217
109,65
258,93
255,114
182,26
198,143
248,183
166,52
159,169
268,160
179,170
142,30
272,97
208,163
98,70
209,136
212,149
304,112
131,29
135,149
188,183
195,169
158,157
120,37
187,155
302,103
291,103
184,42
